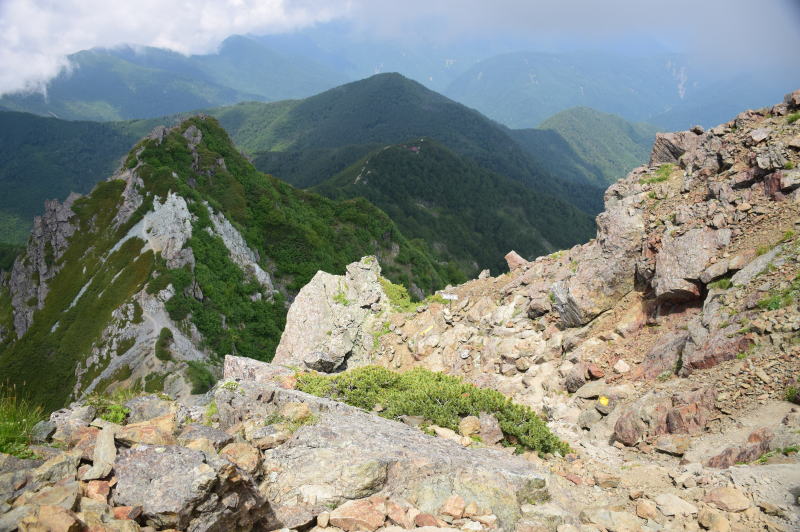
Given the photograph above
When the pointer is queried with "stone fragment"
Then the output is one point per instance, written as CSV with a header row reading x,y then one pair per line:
x,y
126,512
156,431
672,505
592,390
218,438
728,499
514,260
491,433
399,515
622,367
454,506
105,452
244,455
647,509
50,519
177,488
332,318
713,520
674,444
98,490
61,467
610,519
269,437
358,516
295,411
469,426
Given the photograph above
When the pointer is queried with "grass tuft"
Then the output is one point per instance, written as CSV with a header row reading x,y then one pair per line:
x,y
18,415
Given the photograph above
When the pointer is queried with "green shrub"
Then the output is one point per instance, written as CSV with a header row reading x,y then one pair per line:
x,y
398,296
722,284
18,415
199,375
782,298
442,400
792,394
163,345
792,118
111,407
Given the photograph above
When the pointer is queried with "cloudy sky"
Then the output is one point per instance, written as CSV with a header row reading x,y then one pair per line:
x,y
36,36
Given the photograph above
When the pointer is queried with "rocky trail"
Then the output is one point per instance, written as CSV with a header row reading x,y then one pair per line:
x,y
664,352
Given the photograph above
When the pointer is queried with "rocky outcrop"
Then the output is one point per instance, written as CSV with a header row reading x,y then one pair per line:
x,y
669,147
331,322
33,269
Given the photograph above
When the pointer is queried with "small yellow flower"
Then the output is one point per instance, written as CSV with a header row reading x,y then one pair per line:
x,y
603,400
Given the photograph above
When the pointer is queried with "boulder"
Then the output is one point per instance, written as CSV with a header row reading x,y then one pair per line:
x,y
663,357
757,444
331,319
514,260
362,515
156,431
672,505
669,147
347,454
656,413
728,499
180,488
681,261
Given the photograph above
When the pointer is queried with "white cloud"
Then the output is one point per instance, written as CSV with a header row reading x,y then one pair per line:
x,y
37,35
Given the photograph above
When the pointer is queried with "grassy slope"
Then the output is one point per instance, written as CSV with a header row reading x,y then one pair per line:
x,y
609,142
466,213
295,232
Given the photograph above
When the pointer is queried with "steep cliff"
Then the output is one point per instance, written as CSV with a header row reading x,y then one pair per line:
x,y
186,254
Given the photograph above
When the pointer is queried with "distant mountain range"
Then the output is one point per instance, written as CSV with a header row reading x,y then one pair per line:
x,y
561,171
499,78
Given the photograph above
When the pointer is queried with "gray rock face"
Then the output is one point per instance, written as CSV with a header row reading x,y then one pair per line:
x,y
329,325
182,488
669,147
681,262
607,267
47,243
347,453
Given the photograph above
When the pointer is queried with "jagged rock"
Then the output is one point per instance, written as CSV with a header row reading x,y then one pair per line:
x,y
728,499
681,261
243,455
607,266
347,454
514,260
52,519
240,252
42,431
792,100
664,355
103,456
669,147
655,414
40,261
610,519
330,322
363,515
216,437
670,505
757,444
181,488
675,444
156,431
